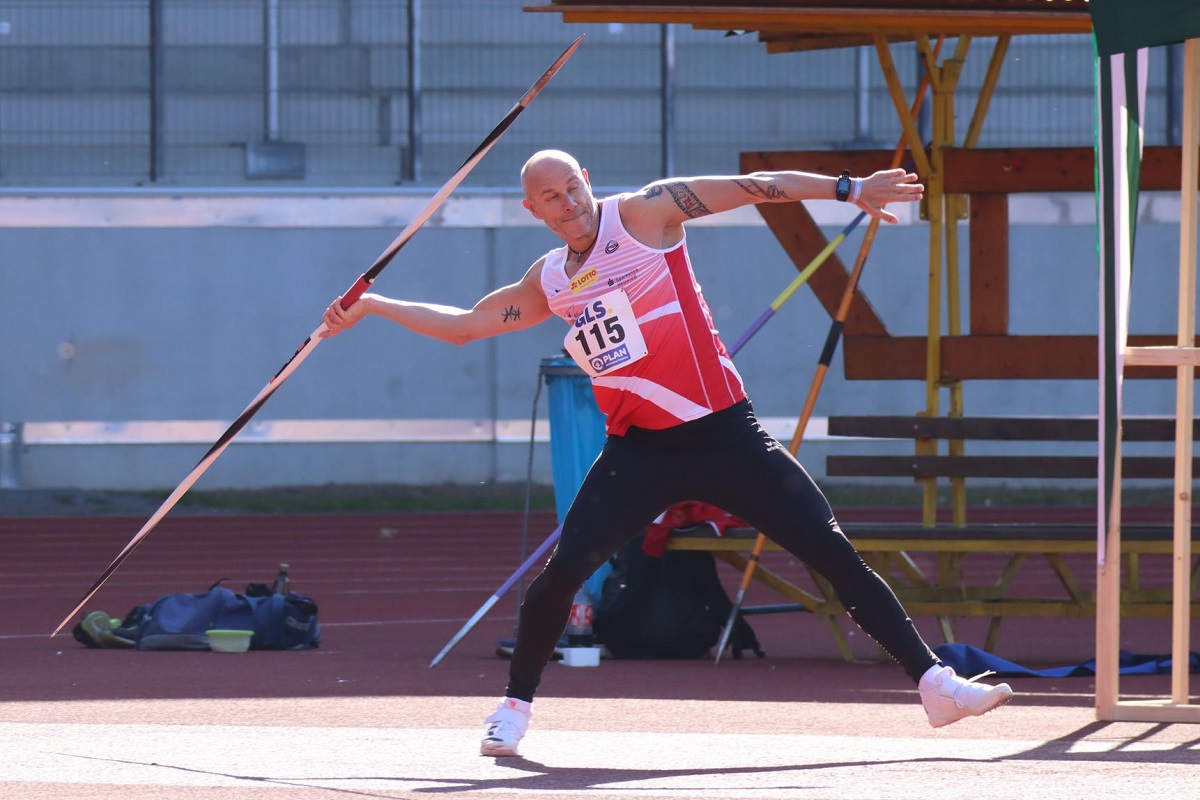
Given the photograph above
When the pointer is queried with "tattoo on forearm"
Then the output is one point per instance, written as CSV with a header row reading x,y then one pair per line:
x,y
511,314
755,189
684,197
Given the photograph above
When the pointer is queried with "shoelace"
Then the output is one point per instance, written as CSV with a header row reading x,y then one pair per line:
x,y
969,681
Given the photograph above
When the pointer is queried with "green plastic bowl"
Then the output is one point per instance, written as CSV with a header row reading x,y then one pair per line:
x,y
221,641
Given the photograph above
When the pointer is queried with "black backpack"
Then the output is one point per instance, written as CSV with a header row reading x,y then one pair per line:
x,y
668,607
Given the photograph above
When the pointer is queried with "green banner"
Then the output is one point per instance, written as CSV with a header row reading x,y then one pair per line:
x,y
1124,26
1121,96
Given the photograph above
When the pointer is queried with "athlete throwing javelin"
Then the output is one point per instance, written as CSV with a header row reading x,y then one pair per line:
x,y
679,424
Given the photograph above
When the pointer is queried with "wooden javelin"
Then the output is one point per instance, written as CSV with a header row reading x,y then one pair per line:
x,y
351,295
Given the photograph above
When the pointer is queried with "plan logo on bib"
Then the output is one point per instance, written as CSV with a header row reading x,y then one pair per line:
x,y
611,359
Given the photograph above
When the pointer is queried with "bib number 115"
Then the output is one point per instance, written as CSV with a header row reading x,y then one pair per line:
x,y
612,333
606,336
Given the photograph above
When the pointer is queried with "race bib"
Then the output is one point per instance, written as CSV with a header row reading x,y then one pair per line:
x,y
605,335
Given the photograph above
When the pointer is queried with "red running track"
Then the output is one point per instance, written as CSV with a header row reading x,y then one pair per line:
x,y
393,589
364,714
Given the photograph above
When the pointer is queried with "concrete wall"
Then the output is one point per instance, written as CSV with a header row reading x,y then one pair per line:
x,y
181,307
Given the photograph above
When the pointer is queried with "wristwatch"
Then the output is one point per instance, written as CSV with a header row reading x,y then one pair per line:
x,y
843,186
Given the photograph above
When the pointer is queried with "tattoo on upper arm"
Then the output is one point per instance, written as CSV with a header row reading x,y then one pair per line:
x,y
511,314
755,189
683,196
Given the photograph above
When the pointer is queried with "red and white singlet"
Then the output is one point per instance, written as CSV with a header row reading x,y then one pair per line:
x,y
641,330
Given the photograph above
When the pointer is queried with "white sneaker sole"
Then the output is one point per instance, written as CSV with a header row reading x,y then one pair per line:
x,y
1002,699
497,749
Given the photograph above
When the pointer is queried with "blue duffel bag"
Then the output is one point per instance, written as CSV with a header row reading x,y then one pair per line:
x,y
182,621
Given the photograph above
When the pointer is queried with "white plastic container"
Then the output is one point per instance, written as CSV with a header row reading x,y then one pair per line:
x,y
581,656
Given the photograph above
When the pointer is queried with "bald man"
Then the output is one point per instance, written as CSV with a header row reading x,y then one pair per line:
x,y
678,421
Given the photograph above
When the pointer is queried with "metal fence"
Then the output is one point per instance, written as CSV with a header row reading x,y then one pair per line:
x,y
376,93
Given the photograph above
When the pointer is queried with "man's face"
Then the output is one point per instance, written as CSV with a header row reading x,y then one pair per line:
x,y
560,195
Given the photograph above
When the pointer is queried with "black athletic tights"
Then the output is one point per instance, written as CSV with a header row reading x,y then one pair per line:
x,y
727,460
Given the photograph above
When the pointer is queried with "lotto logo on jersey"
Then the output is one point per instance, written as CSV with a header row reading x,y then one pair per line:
x,y
610,359
580,282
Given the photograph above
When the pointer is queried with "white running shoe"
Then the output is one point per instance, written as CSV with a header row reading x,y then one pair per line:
x,y
948,698
505,728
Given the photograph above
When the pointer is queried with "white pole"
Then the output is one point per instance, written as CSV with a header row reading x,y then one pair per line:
x,y
1184,377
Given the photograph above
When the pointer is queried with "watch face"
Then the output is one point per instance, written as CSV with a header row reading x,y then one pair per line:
x,y
843,187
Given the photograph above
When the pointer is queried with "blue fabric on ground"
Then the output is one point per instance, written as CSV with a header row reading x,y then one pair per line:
x,y
968,660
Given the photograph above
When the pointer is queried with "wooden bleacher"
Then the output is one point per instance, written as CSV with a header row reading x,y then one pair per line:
x,y
975,569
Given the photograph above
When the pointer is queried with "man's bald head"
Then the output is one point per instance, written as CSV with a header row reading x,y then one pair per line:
x,y
548,164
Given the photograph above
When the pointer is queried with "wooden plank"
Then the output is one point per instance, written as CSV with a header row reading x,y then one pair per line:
x,y
1049,536
1020,607
1002,6
1043,537
884,543
998,428
1045,429
825,162
988,357
892,537
1162,356
1048,169
803,43
1163,710
989,293
972,357
1132,467
875,466
828,18
981,170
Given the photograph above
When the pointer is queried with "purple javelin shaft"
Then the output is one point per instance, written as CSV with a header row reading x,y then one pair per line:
x,y
796,283
491,601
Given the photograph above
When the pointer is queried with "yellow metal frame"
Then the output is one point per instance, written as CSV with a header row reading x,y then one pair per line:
x,y
943,212
945,591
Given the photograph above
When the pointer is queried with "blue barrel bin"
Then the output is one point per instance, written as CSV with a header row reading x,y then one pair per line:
x,y
10,455
576,437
